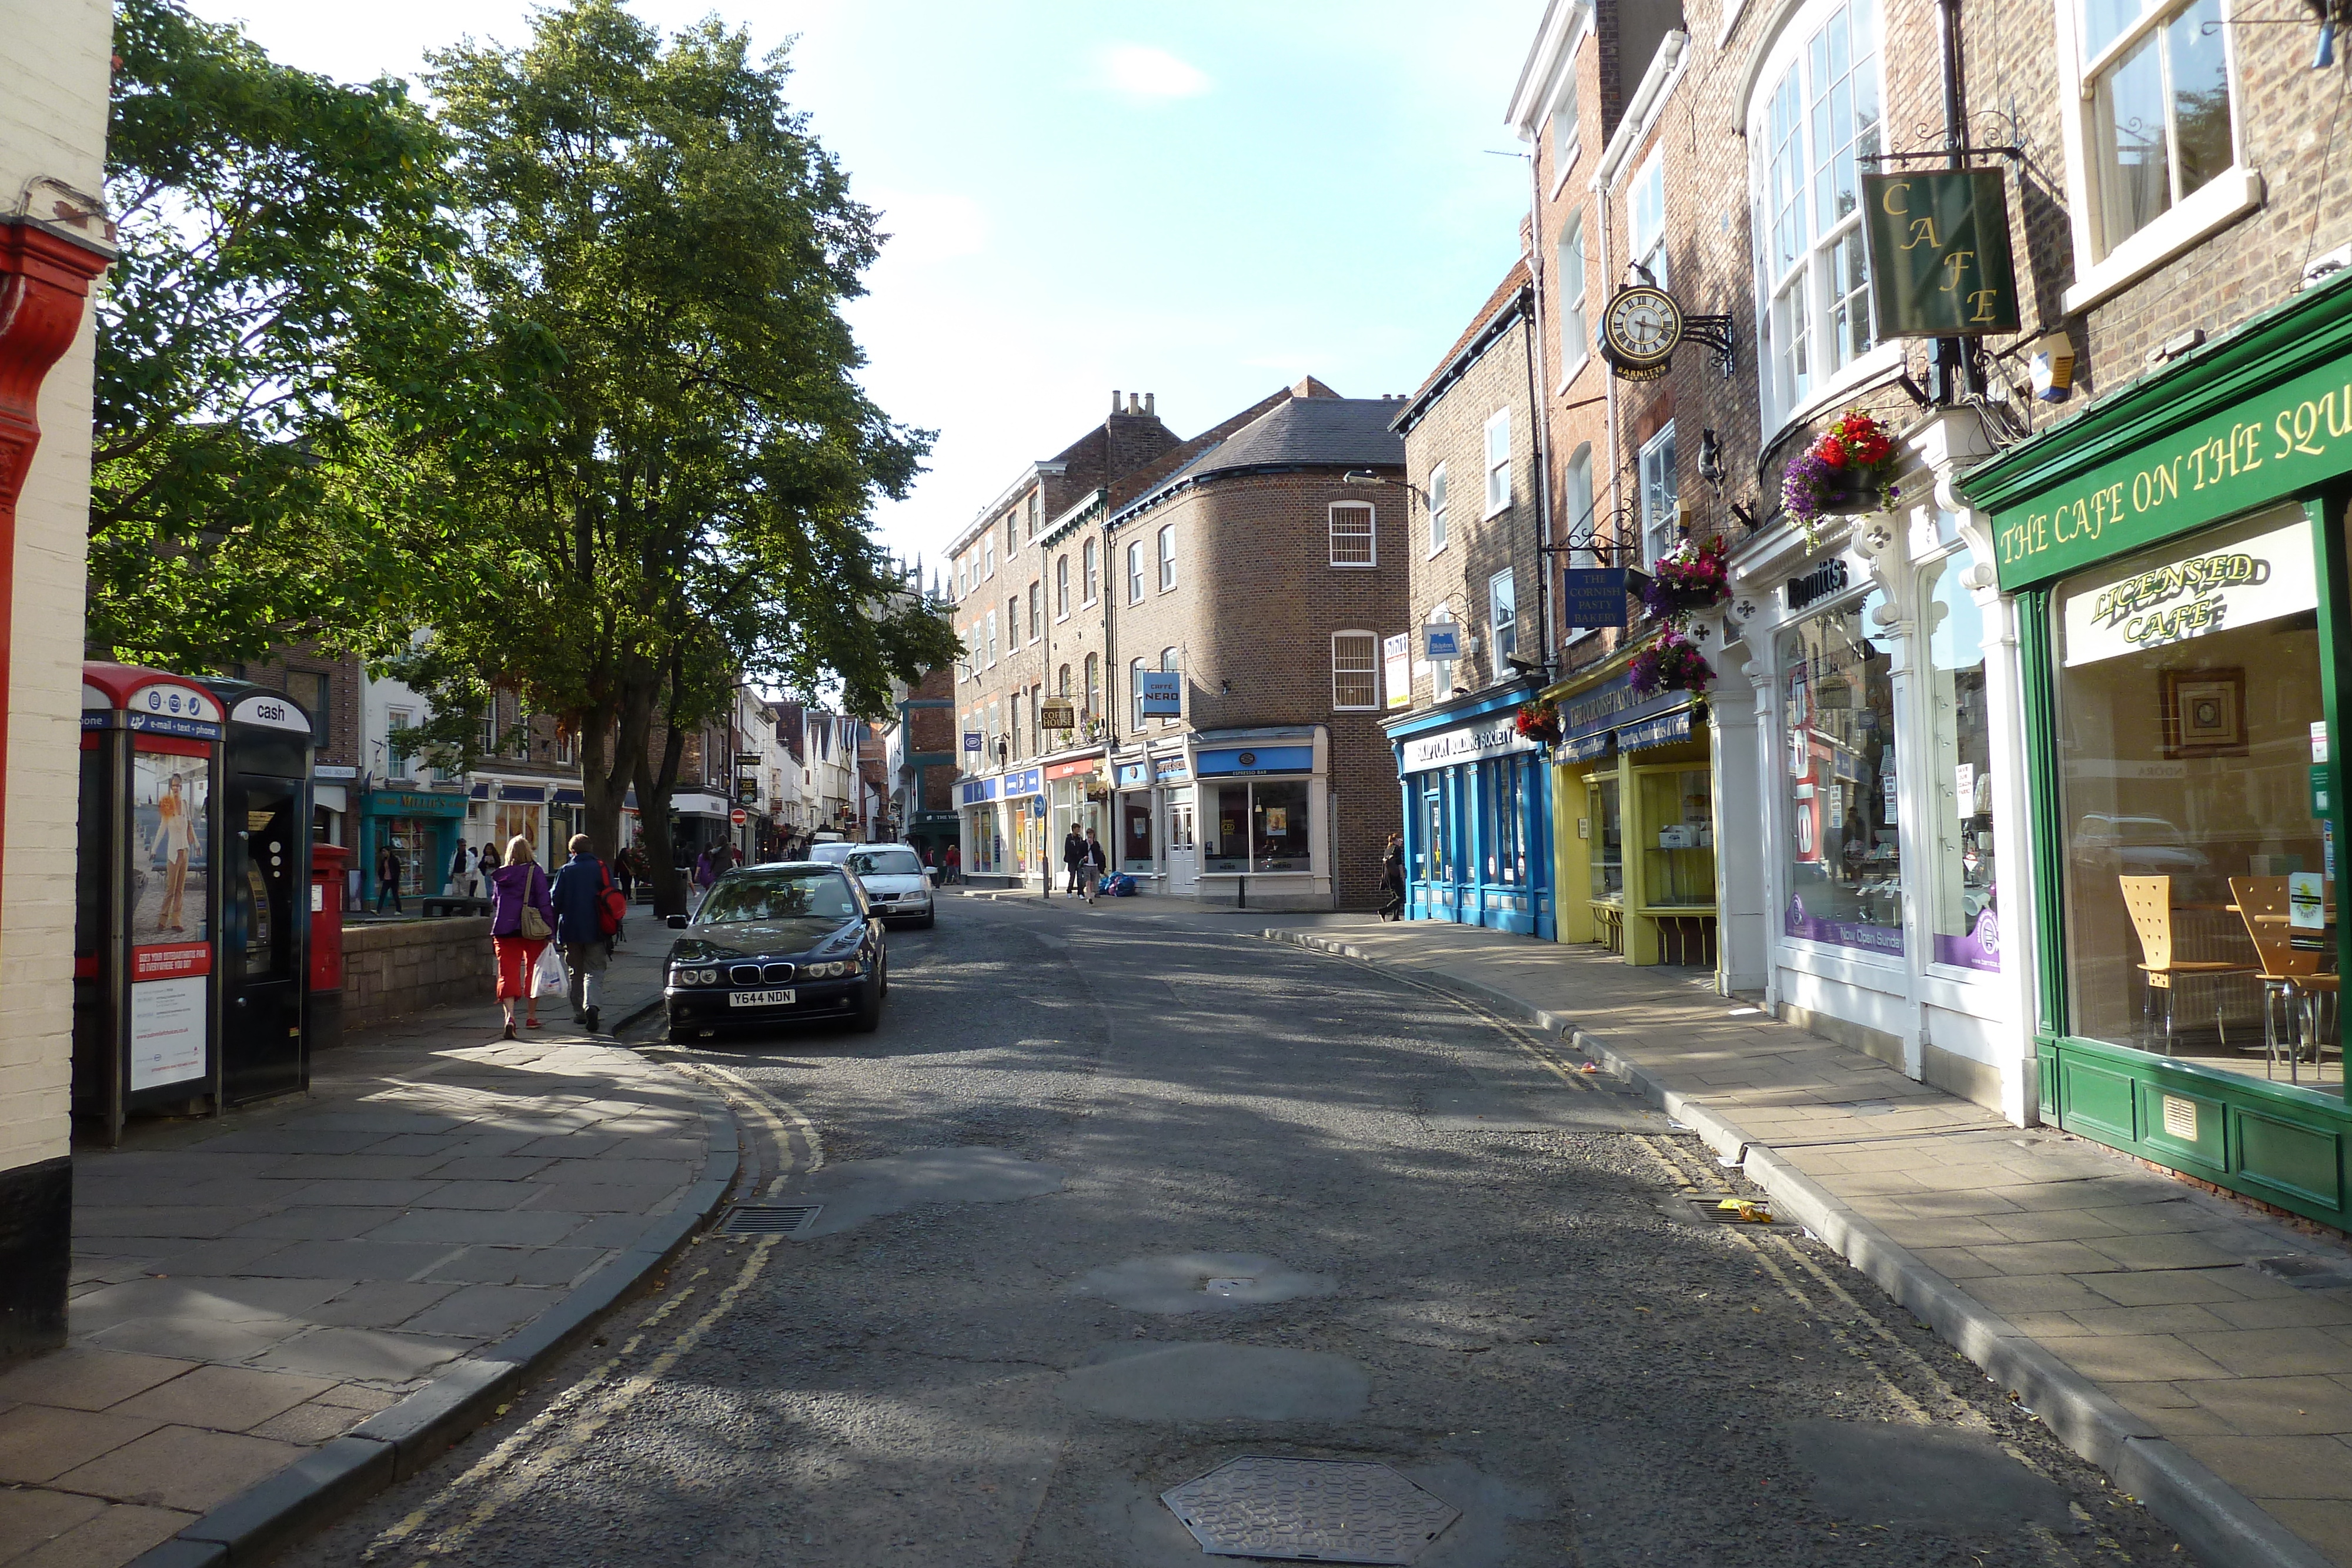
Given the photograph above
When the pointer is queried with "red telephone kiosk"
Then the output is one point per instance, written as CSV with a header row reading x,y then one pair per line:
x,y
146,905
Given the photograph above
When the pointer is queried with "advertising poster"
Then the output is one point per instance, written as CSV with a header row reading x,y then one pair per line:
x,y
171,859
167,1033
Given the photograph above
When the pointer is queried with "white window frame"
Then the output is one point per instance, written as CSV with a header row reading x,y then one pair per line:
x,y
1171,663
1369,674
1091,559
1566,128
1135,571
988,557
1036,609
1498,469
1439,503
396,761
1062,587
992,639
1370,536
1503,616
1575,328
1012,623
1658,525
1167,557
2102,270
1784,406
1645,216
1577,511
1135,692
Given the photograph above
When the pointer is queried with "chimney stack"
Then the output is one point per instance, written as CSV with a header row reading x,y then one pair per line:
x,y
1114,400
1135,402
1151,405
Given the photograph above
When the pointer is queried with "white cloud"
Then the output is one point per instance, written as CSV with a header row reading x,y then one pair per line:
x,y
1137,70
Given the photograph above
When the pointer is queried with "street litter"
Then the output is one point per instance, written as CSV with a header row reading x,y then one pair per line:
x,y
1749,1210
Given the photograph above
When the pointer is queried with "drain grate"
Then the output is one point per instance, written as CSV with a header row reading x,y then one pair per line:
x,y
769,1220
1309,1511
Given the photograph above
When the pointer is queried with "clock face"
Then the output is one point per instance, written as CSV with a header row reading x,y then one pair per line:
x,y
1642,325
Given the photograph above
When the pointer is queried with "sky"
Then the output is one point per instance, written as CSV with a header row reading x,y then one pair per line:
x,y
1205,202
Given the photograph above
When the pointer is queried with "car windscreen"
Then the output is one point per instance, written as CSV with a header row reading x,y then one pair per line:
x,y
886,862
833,854
810,895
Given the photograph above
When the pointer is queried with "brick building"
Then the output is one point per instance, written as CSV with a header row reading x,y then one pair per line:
x,y
1476,799
1270,780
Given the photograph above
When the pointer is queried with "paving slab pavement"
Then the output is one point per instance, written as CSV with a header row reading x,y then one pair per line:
x,y
269,1303
2127,1308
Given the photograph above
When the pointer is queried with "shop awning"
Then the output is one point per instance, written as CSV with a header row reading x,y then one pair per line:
x,y
1662,730
563,797
531,794
698,804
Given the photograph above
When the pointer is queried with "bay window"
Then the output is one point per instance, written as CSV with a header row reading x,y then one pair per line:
x,y
1814,118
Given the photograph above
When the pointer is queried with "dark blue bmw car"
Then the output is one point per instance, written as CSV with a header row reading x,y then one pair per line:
x,y
777,943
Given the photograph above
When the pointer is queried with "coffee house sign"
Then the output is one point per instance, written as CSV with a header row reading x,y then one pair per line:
x,y
1471,743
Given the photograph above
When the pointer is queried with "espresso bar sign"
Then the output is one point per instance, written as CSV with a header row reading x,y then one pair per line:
x,y
2283,440
1939,257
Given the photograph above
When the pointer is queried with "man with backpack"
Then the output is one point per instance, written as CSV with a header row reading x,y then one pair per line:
x,y
587,917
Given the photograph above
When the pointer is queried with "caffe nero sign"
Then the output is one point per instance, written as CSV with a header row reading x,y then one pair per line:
x,y
2272,445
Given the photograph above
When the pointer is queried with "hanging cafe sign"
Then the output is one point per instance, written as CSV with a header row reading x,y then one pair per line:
x,y
1939,257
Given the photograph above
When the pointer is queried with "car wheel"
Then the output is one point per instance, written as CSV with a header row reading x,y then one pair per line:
x,y
931,918
869,1017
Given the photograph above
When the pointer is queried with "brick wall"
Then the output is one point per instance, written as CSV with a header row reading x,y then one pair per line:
x,y
53,108
297,671
405,967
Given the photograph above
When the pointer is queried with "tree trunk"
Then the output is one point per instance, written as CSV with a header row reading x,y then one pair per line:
x,y
654,789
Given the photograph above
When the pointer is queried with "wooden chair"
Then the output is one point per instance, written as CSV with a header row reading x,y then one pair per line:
x,y
2149,900
2291,975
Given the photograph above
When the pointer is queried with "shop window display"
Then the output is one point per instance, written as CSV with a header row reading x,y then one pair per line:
x,y
1507,850
1606,826
2189,699
1135,852
1963,919
1837,713
1258,826
1678,805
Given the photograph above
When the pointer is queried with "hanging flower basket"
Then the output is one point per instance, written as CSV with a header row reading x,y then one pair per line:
x,y
1540,722
1672,664
1847,470
1689,580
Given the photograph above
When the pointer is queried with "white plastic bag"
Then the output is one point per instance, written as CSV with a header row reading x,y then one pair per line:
x,y
551,975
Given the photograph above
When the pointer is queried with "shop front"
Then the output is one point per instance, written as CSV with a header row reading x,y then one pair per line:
x,y
1883,744
1261,805
980,827
1078,795
2177,553
1633,811
422,826
1477,816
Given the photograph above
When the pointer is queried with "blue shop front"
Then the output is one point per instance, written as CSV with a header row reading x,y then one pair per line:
x,y
1477,816
419,825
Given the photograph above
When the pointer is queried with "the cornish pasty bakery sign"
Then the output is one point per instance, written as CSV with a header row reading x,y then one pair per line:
x,y
2272,445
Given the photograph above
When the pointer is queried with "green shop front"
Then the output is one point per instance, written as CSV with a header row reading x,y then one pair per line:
x,y
421,826
2178,556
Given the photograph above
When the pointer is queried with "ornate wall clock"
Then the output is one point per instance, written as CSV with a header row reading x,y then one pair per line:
x,y
1639,329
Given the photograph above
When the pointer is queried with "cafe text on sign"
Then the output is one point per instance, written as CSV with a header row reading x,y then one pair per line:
x,y
2285,439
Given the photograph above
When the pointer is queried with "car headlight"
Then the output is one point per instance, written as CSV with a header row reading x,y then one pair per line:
x,y
695,977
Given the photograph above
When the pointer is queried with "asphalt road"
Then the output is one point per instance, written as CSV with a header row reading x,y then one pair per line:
x,y
1111,1201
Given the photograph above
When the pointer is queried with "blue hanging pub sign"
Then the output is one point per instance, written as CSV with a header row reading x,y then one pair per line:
x,y
1592,596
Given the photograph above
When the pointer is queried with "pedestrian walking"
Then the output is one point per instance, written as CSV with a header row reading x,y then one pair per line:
x,y
1092,865
953,870
585,928
705,873
523,920
1392,878
461,873
387,880
1074,857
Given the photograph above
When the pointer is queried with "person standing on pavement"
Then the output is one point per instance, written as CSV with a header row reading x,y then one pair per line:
x,y
953,870
522,919
1092,865
461,873
624,874
1074,857
578,897
1392,879
387,879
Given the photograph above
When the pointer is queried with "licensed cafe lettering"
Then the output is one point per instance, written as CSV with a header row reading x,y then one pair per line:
x,y
2289,438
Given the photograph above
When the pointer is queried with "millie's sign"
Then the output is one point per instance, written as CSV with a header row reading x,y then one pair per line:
x,y
1939,257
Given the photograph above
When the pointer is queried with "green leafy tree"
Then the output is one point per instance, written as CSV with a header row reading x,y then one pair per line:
x,y
273,347
696,505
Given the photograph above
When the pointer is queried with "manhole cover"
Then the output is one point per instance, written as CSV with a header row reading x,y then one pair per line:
x,y
2305,1272
774,1219
1309,1511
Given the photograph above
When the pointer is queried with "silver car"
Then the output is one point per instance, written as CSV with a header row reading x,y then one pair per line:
x,y
897,883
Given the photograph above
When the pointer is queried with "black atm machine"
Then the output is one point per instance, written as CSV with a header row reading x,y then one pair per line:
x,y
265,871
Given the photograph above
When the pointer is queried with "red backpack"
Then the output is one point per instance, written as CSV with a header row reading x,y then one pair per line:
x,y
611,907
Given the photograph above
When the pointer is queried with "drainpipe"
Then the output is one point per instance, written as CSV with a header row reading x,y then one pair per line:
x,y
1539,377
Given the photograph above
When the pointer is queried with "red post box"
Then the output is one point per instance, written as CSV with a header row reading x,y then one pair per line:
x,y
328,864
